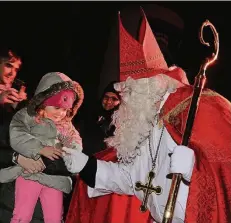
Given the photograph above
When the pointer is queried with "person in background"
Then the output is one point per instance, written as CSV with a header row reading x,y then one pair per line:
x,y
100,126
12,97
109,103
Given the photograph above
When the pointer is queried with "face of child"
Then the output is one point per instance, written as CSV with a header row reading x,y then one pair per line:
x,y
56,114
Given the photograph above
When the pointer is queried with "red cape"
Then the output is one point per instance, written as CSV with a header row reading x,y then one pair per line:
x,y
209,198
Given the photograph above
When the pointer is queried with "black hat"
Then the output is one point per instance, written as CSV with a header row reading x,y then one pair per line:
x,y
110,88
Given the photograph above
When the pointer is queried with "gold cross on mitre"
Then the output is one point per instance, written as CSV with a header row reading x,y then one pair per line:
x,y
147,189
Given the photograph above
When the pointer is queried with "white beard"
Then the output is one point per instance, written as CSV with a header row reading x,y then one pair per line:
x,y
135,117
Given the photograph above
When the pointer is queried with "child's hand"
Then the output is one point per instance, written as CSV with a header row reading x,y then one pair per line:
x,y
51,152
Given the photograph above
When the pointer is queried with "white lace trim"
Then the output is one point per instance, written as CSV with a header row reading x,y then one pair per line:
x,y
134,119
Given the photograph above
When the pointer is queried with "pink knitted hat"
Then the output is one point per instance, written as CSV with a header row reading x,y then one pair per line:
x,y
63,99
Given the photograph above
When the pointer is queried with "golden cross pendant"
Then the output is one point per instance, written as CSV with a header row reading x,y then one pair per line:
x,y
147,189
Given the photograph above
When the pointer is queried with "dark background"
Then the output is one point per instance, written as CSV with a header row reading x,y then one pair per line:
x,y
72,37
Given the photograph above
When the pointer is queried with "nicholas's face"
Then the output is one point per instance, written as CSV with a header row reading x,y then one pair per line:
x,y
8,71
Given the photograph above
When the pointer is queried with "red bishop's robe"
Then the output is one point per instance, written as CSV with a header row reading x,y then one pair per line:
x,y
209,199
112,208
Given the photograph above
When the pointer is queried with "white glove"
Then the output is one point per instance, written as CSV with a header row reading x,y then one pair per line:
x,y
182,161
74,160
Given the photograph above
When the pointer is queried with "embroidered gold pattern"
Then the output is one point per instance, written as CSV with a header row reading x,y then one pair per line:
x,y
170,117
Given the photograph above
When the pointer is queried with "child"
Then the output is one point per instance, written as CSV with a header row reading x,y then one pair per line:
x,y
39,131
